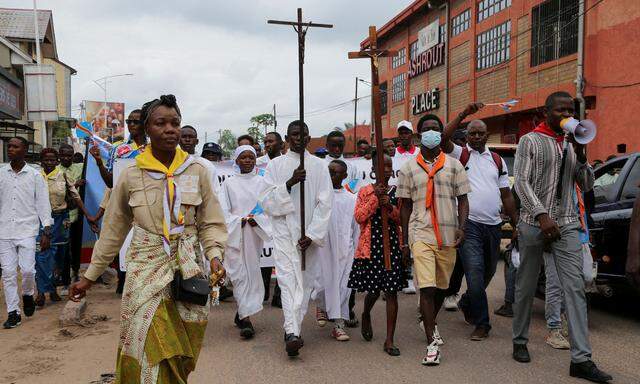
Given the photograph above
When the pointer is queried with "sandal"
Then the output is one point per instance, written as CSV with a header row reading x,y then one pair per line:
x,y
366,331
392,350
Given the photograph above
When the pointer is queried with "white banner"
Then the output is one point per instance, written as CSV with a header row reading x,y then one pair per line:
x,y
428,37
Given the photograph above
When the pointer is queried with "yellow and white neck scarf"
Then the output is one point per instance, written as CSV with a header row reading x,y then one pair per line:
x,y
51,175
171,201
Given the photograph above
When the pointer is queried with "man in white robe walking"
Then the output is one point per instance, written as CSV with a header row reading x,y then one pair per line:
x,y
281,201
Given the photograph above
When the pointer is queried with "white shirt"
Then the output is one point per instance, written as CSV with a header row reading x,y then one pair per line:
x,y
399,159
284,207
24,203
484,200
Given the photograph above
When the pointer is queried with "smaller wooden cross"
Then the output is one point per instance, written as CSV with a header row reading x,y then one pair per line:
x,y
373,53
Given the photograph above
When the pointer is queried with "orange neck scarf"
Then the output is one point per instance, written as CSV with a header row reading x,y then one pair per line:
x,y
431,191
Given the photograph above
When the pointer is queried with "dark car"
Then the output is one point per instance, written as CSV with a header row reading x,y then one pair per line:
x,y
615,191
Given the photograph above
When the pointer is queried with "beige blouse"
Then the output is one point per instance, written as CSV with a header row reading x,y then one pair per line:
x,y
58,191
137,199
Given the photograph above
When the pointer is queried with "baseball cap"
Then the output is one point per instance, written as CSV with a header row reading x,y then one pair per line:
x,y
405,124
211,147
459,134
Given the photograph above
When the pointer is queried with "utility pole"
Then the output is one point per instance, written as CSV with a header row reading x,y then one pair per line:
x,y
355,119
275,120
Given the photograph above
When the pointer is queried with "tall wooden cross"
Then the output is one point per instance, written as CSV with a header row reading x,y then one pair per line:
x,y
301,29
373,53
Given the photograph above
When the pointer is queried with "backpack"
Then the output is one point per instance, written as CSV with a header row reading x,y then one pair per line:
x,y
465,155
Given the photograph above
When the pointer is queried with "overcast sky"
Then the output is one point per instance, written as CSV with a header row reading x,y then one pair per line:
x,y
220,58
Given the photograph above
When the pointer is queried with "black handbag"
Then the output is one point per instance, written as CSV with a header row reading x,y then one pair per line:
x,y
195,290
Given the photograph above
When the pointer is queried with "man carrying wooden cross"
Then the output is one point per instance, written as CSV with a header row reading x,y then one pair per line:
x,y
281,201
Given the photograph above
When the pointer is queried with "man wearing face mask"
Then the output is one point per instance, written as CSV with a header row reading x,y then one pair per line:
x,y
433,190
490,191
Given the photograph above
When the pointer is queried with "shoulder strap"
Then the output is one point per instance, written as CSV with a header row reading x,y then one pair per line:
x,y
464,156
498,160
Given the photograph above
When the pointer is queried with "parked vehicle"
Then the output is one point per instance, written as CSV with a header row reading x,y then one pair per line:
x,y
616,188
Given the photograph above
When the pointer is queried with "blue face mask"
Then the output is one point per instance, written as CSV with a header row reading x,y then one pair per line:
x,y
431,139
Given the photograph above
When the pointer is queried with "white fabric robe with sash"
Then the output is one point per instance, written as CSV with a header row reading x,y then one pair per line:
x,y
284,210
239,198
336,256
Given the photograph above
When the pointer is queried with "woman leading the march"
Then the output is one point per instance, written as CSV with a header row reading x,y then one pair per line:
x,y
167,198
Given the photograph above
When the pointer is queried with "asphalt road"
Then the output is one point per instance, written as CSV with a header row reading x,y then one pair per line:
x,y
225,358
40,352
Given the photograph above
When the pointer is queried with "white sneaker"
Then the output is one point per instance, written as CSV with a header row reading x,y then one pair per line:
x,y
451,302
556,340
436,337
432,356
339,333
410,290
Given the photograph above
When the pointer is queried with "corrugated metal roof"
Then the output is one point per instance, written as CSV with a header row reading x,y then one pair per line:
x,y
18,23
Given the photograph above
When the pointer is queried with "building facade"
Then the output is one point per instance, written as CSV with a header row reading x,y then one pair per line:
x,y
18,48
451,53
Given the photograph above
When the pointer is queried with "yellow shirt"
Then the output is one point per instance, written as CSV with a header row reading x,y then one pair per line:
x,y
74,173
58,189
137,199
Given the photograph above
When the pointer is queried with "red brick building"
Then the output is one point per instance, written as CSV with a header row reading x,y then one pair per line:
x,y
496,50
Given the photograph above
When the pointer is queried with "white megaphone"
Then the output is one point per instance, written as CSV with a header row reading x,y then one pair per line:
x,y
584,131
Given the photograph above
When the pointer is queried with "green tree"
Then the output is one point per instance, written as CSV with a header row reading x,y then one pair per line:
x,y
256,133
227,142
259,125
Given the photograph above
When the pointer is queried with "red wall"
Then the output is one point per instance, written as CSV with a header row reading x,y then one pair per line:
x,y
612,57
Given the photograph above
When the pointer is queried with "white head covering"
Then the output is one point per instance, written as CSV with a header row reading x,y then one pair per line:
x,y
237,153
243,148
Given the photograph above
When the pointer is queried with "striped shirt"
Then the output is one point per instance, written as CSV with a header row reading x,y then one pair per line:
x,y
536,173
450,182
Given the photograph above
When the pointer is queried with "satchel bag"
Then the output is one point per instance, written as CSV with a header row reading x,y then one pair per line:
x,y
195,290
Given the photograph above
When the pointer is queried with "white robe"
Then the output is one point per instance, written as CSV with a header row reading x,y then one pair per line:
x,y
336,256
284,210
238,198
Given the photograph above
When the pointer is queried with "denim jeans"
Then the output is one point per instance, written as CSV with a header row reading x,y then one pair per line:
x,y
480,254
46,260
60,239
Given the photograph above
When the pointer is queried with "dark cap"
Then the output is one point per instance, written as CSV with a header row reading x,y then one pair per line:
x,y
211,147
459,134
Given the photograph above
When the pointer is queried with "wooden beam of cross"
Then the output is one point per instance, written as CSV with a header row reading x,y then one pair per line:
x,y
301,29
373,53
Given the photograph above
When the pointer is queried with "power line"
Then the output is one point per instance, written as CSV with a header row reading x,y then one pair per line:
x,y
613,85
324,110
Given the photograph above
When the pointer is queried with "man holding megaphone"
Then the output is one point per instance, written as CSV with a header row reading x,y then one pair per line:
x,y
550,162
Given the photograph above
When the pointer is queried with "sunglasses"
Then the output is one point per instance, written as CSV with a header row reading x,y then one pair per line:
x,y
131,121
